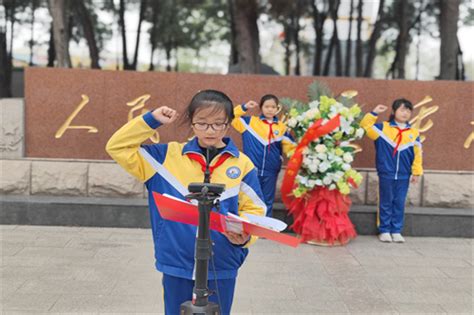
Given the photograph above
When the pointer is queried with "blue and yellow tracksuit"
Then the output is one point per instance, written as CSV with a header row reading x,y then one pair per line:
x,y
264,143
167,169
398,156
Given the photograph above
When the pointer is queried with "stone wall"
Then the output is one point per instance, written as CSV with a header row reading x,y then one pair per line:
x,y
110,98
87,178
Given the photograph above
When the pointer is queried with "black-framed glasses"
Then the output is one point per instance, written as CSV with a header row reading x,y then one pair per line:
x,y
204,126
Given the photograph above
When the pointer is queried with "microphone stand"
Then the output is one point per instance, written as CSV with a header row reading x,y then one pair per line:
x,y
206,194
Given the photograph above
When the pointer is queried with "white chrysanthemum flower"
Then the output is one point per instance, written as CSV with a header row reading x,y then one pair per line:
x,y
332,186
345,125
324,166
321,148
322,156
346,166
302,179
311,114
319,182
359,133
312,183
313,168
327,180
314,104
307,160
347,157
292,122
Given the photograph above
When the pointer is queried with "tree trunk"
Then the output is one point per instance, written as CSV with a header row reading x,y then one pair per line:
x,y
296,38
449,43
154,31
286,44
51,49
12,27
126,64
34,5
404,38
89,34
419,26
397,70
347,70
246,35
176,65
373,41
333,8
337,43
234,55
327,63
359,51
460,70
5,67
151,67
143,5
168,56
61,32
318,23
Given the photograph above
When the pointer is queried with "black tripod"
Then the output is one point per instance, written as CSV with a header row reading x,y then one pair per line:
x,y
206,194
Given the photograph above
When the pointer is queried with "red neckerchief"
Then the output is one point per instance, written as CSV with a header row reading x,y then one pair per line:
x,y
399,136
200,159
270,133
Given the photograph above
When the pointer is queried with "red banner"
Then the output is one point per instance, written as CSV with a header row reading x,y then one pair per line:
x,y
294,164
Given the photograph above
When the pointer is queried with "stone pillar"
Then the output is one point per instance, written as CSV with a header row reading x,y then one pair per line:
x,y
12,130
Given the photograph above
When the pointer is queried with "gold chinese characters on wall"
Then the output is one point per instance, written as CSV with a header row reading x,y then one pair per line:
x,y
138,105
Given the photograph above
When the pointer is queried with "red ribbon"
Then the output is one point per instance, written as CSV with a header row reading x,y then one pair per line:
x,y
399,136
314,132
270,133
200,159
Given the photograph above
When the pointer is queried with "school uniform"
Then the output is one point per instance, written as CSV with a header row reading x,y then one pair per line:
x,y
169,169
398,155
264,142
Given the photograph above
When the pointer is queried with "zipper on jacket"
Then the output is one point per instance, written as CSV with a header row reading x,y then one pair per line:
x,y
264,156
398,163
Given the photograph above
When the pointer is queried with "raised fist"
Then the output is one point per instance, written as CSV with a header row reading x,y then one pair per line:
x,y
165,115
380,109
251,104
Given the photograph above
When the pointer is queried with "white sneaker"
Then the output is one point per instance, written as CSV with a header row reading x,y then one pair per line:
x,y
385,237
398,238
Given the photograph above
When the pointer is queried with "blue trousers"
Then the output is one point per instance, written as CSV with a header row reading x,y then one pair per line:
x,y
179,290
392,196
268,186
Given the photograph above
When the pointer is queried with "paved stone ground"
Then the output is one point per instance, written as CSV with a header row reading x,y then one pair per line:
x,y
110,270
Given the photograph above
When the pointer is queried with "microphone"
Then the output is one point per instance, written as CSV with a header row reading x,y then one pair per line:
x,y
211,151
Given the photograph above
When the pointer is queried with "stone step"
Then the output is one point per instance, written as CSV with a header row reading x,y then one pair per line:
x,y
133,213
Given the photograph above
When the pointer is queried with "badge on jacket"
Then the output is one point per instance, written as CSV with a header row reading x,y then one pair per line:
x,y
233,172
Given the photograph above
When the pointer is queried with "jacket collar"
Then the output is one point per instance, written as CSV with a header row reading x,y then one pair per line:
x,y
275,118
193,146
393,123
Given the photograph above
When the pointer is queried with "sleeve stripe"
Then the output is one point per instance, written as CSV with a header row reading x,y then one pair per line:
x,y
257,136
244,187
229,193
288,139
163,172
383,136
